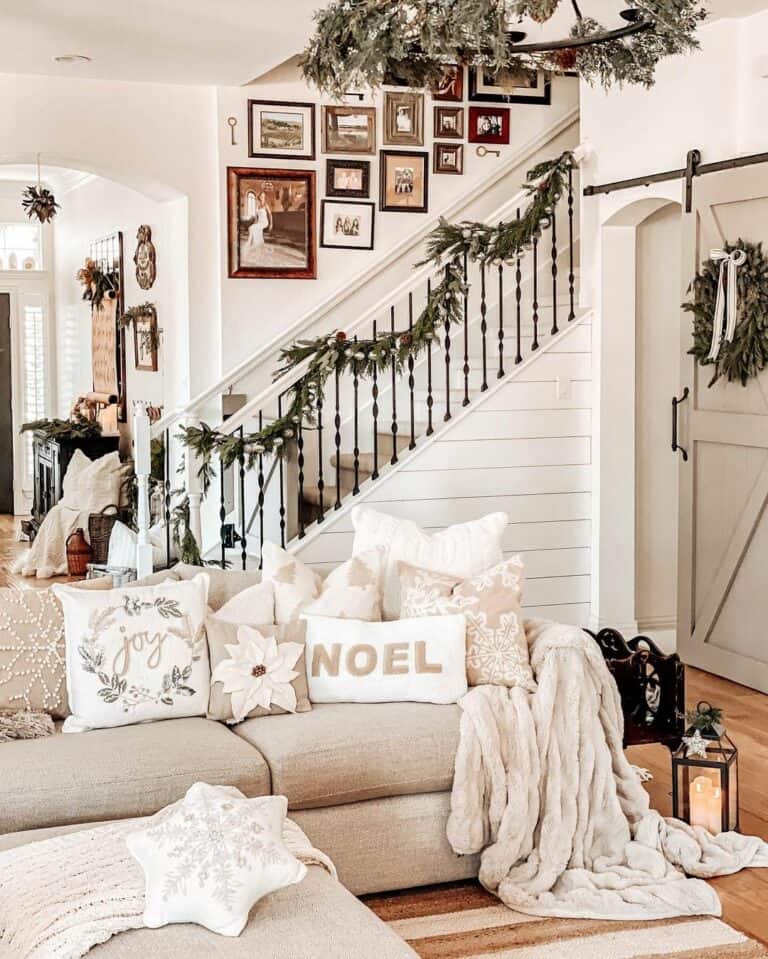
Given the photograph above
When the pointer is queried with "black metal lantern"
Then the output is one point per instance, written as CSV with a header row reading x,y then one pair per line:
x,y
705,778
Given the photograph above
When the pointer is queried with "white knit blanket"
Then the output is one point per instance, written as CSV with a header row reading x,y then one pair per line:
x,y
60,897
543,789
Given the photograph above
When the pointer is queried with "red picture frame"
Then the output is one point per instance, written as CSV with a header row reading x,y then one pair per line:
x,y
495,118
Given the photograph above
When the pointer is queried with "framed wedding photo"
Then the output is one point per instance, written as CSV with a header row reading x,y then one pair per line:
x,y
489,124
347,224
451,85
348,178
527,86
403,182
449,123
271,223
404,119
349,129
281,130
448,158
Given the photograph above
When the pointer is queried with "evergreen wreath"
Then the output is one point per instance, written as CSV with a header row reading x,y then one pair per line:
x,y
447,246
362,42
747,355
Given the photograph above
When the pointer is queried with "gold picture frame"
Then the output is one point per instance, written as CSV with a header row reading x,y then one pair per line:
x,y
404,119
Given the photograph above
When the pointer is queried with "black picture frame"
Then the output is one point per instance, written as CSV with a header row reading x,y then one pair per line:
x,y
332,191
326,204
286,154
542,97
407,156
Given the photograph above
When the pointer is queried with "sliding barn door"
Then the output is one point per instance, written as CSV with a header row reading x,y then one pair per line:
x,y
723,531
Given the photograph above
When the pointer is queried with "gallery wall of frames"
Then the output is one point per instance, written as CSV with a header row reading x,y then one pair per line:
x,y
319,174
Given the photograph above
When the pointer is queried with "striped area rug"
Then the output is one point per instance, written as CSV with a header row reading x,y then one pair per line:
x,y
463,921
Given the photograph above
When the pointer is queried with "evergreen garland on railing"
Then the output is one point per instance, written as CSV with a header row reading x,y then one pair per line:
x,y
334,352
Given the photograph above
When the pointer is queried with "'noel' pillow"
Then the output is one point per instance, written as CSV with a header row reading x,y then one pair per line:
x,y
497,650
134,655
352,590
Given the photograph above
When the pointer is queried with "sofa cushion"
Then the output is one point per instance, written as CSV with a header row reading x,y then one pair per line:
x,y
120,772
223,584
346,752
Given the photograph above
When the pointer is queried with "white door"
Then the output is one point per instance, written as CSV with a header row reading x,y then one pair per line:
x,y
722,618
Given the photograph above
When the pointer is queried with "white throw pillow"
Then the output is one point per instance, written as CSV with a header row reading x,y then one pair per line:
x,y
352,590
411,660
254,606
122,546
211,857
92,484
135,654
459,551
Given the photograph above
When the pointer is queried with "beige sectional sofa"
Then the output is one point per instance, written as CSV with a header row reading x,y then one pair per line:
x,y
369,784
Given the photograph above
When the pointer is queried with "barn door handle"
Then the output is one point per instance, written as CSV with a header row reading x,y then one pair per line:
x,y
675,445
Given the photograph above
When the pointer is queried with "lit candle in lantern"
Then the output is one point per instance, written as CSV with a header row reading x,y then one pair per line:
x,y
706,808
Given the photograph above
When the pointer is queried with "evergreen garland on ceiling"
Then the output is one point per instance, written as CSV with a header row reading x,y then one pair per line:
x,y
361,42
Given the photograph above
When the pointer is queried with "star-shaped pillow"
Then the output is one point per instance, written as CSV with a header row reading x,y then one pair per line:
x,y
209,858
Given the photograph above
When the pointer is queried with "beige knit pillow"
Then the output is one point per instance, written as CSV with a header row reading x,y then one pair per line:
x,y
497,651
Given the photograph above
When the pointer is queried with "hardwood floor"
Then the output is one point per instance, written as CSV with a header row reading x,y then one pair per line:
x,y
744,895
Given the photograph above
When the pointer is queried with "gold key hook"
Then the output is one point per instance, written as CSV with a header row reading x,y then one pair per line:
x,y
483,151
232,121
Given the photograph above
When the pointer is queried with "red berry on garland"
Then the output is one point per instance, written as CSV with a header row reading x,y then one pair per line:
x,y
565,59
341,336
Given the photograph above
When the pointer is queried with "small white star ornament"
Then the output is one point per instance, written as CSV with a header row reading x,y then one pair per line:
x,y
695,745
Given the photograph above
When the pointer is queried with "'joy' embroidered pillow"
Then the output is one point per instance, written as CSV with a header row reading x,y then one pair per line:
x,y
135,654
410,660
497,650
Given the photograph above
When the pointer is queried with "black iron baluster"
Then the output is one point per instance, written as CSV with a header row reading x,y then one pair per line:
x,y
501,322
447,343
554,273
320,477
337,441
375,409
300,464
465,368
356,449
430,399
411,380
282,482
393,359
483,327
535,343
260,480
167,487
222,515
571,277
241,464
518,298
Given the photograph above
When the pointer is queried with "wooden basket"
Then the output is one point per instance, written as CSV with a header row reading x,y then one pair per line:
x,y
99,531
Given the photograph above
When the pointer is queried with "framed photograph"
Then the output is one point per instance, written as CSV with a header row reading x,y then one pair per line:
x,y
271,223
448,158
349,129
347,224
449,122
350,178
489,124
528,86
403,186
451,86
281,130
404,119
145,338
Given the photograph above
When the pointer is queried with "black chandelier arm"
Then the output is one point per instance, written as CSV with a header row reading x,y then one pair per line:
x,y
574,43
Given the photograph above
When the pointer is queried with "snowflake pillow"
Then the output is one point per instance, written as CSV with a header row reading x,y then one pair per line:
x,y
497,650
351,591
211,857
134,655
256,671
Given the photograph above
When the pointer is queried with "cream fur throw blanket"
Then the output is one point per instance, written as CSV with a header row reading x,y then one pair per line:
x,y
543,788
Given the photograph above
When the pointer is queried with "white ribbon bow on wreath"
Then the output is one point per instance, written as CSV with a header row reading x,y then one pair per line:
x,y
726,303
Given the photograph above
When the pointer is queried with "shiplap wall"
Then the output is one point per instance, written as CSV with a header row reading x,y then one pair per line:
x,y
525,448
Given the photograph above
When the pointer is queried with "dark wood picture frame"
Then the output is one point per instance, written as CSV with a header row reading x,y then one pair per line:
x,y
451,87
325,204
496,139
407,155
338,110
286,154
437,130
458,151
364,166
538,96
236,270
150,318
